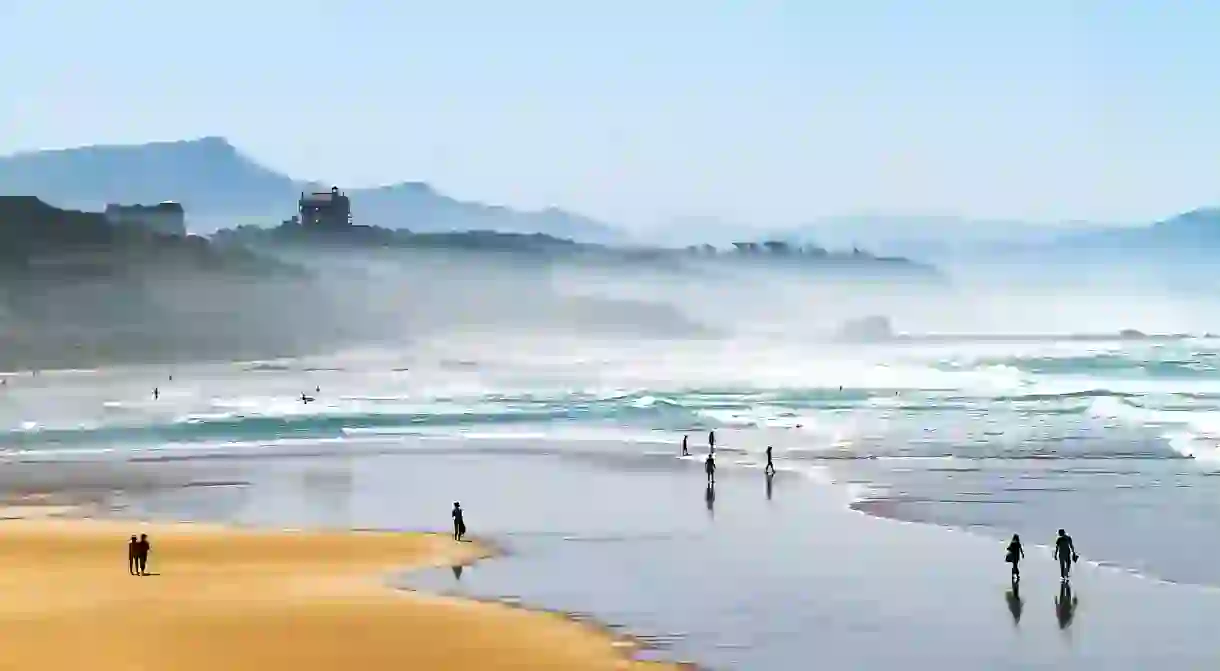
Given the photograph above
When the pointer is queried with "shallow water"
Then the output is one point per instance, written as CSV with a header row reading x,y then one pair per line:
x,y
751,582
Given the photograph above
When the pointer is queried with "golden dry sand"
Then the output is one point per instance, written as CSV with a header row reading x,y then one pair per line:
x,y
226,599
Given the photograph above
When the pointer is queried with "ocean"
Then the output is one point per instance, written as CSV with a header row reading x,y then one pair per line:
x,y
1114,441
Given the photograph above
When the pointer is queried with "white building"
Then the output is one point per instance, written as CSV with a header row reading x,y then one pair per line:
x,y
167,218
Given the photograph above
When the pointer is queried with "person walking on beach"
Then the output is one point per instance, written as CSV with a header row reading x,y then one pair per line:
x,y
1015,554
143,547
710,467
1065,552
133,555
770,468
685,449
459,523
156,393
711,442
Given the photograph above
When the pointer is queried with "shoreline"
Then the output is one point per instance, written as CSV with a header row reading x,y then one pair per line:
x,y
291,597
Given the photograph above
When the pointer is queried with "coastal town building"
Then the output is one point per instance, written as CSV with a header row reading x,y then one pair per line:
x,y
325,209
165,218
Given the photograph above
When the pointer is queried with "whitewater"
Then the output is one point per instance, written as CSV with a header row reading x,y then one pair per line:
x,y
1117,441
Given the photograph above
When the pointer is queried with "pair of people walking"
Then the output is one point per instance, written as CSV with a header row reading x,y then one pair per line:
x,y
137,555
1065,553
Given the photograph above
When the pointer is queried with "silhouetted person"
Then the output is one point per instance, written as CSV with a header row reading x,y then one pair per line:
x,y
133,556
143,547
1014,556
1065,552
1065,605
709,466
770,479
1015,604
770,467
317,390
459,522
711,441
156,393
685,449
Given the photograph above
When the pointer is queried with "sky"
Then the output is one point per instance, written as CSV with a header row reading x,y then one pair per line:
x,y
763,112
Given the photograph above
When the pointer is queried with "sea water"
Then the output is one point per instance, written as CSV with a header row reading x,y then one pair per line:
x,y
1117,441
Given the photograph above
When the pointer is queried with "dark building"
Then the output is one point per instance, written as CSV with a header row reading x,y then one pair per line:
x,y
325,209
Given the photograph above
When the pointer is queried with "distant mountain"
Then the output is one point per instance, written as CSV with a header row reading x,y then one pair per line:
x,y
932,236
1190,236
219,187
929,237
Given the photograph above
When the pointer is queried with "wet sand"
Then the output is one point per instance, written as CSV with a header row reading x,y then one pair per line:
x,y
220,597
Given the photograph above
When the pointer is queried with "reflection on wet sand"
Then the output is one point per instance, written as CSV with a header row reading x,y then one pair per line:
x,y
1065,605
1015,604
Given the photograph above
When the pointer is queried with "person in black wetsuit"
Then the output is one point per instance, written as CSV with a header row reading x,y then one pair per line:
x,y
770,469
1014,556
710,467
685,449
711,441
1065,552
459,522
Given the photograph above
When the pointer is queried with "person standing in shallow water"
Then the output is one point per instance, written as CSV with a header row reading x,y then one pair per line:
x,y
711,441
459,522
685,449
1015,554
1065,552
710,467
770,469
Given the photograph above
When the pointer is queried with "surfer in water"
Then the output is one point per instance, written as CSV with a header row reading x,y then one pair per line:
x,y
1014,556
1065,552
305,399
770,469
710,467
685,449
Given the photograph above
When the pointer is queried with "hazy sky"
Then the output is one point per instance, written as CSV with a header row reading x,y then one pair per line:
x,y
763,111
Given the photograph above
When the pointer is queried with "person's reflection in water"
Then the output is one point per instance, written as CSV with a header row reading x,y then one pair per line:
x,y
1015,603
457,571
1065,605
770,480
709,497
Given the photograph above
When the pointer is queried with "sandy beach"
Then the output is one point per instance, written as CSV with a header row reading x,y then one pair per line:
x,y
220,597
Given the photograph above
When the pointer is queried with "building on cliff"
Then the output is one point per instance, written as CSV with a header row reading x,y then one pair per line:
x,y
166,218
325,209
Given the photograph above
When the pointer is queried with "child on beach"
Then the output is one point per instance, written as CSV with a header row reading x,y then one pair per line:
x,y
1015,554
